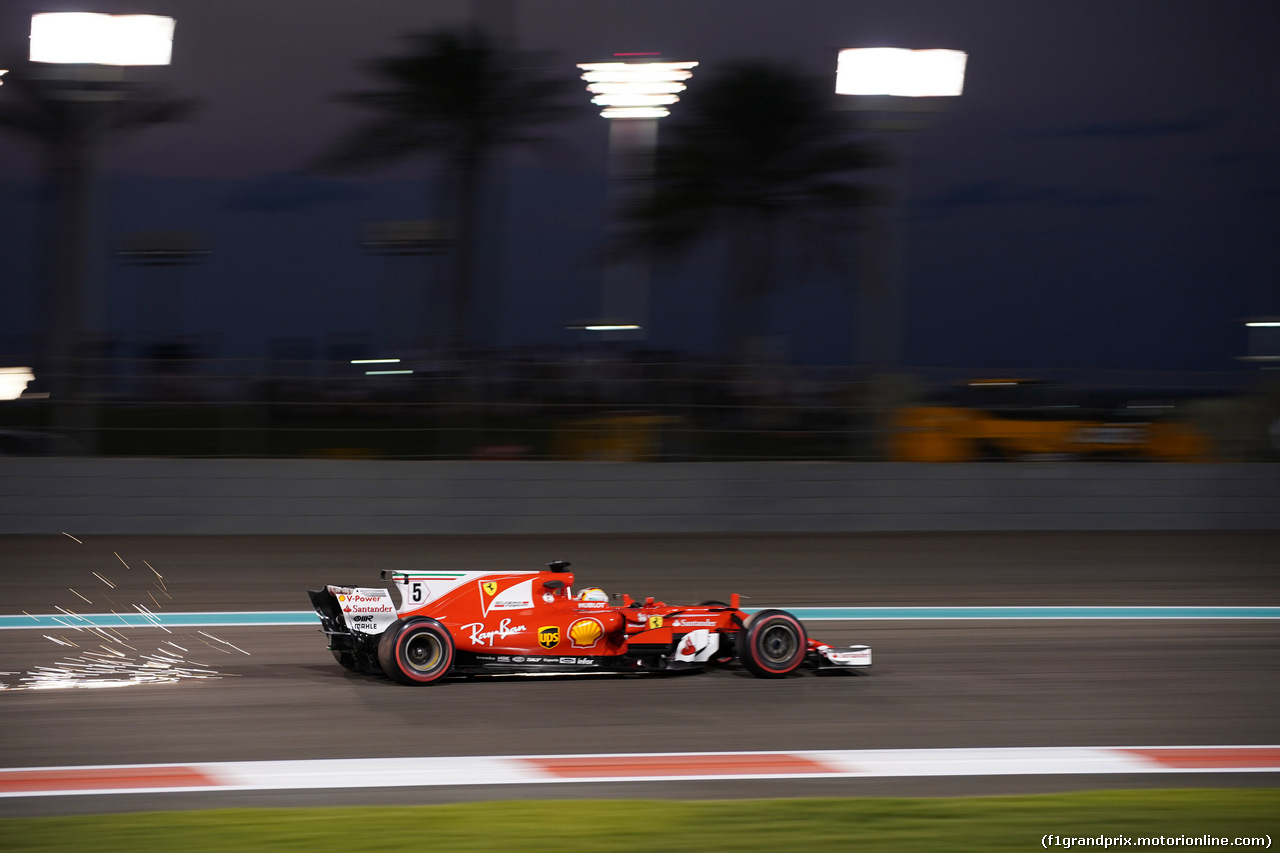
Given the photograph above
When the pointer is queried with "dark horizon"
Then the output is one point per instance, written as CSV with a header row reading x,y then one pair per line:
x,y
1092,201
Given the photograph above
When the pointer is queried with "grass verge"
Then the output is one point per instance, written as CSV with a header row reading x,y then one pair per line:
x,y
646,826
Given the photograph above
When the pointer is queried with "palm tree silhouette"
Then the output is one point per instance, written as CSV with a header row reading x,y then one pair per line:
x,y
756,155
457,95
69,116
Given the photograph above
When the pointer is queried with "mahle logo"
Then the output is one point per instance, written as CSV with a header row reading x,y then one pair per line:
x,y
549,637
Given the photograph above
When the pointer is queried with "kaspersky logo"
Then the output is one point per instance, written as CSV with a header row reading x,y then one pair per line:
x,y
549,637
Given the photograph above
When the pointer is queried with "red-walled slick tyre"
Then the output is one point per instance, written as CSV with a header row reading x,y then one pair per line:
x,y
416,651
772,644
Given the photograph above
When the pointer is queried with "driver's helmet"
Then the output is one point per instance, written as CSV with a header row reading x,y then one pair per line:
x,y
593,593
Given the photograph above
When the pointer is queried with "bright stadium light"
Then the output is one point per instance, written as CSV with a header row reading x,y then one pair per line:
x,y
900,72
635,89
93,39
604,326
892,88
13,381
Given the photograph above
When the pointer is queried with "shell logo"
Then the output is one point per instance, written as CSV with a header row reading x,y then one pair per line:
x,y
585,633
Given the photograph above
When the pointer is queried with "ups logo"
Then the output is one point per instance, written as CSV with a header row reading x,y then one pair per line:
x,y
549,637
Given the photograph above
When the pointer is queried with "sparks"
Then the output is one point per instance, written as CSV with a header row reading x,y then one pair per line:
x,y
225,643
151,617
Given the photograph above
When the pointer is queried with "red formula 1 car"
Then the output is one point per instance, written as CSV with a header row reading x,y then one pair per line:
x,y
523,622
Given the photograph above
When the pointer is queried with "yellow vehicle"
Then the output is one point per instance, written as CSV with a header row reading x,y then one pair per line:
x,y
619,437
1029,419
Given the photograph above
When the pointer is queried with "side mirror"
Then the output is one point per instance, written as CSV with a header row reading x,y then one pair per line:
x,y
553,585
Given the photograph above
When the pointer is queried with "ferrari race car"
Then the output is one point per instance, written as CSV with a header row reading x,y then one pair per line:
x,y
527,622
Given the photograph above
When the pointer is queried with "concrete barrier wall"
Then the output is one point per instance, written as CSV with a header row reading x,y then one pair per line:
x,y
288,496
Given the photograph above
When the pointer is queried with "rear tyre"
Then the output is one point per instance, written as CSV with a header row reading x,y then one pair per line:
x,y
772,644
416,651
346,659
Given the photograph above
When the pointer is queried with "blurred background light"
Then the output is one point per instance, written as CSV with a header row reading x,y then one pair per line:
x,y
635,89
900,72
1263,339
13,381
96,39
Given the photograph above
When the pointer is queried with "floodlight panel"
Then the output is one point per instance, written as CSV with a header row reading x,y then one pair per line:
x,y
635,89
96,39
635,112
636,70
900,72
633,100
667,87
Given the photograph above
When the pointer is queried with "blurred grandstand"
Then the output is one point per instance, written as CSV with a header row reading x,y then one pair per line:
x,y
598,403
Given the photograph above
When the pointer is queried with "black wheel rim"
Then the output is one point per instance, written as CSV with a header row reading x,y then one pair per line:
x,y
423,652
778,643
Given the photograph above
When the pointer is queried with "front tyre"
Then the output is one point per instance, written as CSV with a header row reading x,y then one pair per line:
x,y
416,651
772,644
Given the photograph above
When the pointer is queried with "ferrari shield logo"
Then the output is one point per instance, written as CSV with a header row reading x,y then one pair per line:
x,y
549,637
655,622
490,588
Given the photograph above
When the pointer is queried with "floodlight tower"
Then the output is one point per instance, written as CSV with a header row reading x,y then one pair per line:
x,y
892,88
78,60
633,93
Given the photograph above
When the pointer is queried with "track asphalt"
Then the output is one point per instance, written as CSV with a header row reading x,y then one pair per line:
x,y
968,682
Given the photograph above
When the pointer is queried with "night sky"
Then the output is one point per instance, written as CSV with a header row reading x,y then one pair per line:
x,y
1105,194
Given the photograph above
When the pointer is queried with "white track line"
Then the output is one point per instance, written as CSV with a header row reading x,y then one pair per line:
x,y
629,767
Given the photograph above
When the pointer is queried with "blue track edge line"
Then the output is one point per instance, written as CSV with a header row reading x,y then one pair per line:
x,y
307,617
